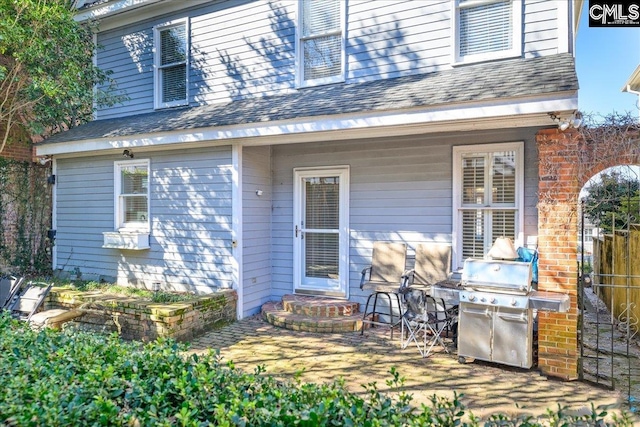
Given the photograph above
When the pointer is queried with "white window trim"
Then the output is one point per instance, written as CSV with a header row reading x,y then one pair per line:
x,y
118,210
516,49
157,84
299,63
458,151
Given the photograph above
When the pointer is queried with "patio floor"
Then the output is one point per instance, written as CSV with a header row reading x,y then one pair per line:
x,y
487,388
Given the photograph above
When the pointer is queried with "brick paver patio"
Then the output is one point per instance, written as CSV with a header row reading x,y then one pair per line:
x,y
487,388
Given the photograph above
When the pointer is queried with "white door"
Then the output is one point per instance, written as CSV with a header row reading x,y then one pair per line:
x,y
321,238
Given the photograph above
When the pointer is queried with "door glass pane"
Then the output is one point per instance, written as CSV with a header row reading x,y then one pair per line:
x,y
321,255
322,212
322,203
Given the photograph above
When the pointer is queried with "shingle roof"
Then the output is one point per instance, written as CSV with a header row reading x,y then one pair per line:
x,y
473,83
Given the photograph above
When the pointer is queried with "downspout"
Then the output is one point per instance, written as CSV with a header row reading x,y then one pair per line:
x,y
54,216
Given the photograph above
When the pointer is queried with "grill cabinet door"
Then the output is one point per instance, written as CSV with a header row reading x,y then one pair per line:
x,y
474,331
513,337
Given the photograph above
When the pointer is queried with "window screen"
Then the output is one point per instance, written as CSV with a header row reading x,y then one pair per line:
x,y
488,200
133,198
485,27
172,64
321,39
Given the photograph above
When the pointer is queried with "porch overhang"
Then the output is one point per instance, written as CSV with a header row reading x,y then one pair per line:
x,y
529,112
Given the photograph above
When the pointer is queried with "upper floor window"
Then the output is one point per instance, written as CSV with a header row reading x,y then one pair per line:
x,y
488,197
132,195
321,57
171,64
487,29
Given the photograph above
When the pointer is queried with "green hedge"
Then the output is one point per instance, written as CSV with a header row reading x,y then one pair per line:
x,y
50,378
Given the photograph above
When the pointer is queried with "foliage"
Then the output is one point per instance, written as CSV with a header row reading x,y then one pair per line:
x,y
24,217
613,201
47,75
153,296
64,379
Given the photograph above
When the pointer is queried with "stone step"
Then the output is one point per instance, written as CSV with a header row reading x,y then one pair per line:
x,y
313,314
319,306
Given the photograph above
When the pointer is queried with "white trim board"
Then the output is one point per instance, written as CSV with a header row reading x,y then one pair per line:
x,y
526,113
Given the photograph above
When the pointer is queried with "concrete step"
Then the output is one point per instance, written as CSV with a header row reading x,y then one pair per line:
x,y
313,314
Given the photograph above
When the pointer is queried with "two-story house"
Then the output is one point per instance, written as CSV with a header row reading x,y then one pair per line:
x,y
265,145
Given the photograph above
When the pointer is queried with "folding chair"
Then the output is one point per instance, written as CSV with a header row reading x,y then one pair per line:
x,y
28,300
384,277
9,286
427,320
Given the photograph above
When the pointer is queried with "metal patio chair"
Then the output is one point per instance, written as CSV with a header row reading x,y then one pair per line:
x,y
384,277
28,299
426,321
433,265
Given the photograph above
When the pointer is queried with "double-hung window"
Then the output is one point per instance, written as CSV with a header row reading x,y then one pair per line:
x,y
487,29
171,58
321,44
488,197
132,195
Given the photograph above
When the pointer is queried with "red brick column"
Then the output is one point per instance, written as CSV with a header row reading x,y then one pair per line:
x,y
558,191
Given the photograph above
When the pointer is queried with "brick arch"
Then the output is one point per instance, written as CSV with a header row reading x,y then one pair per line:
x,y
625,159
566,163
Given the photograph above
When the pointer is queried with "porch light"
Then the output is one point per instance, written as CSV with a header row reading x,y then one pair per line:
x,y
575,121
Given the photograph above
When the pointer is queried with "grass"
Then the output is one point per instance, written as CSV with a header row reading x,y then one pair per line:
x,y
113,289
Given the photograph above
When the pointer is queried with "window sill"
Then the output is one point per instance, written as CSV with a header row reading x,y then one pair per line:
x,y
131,240
487,57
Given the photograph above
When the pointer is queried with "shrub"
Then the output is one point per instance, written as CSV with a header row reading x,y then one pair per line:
x,y
61,378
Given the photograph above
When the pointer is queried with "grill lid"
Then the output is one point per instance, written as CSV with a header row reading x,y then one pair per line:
x,y
508,276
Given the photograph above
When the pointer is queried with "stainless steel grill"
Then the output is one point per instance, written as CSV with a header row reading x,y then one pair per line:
x,y
497,306
495,320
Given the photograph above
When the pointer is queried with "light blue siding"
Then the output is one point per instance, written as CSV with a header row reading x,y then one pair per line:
x,y
401,190
243,49
190,207
256,217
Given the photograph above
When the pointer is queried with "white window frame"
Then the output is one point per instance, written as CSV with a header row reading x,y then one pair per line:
x,y
458,152
119,214
516,32
157,74
300,81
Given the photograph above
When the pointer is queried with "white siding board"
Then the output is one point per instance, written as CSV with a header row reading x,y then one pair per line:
x,y
540,24
256,249
190,230
247,49
400,190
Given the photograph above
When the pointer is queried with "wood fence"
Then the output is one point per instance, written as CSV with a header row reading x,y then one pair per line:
x,y
617,273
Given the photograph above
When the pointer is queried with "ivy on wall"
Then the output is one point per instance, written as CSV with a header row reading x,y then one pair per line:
x,y
25,218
